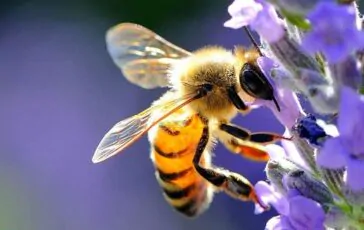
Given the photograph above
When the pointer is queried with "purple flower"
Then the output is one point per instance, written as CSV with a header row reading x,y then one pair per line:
x,y
334,31
275,152
260,15
291,109
269,196
347,149
296,212
243,12
287,150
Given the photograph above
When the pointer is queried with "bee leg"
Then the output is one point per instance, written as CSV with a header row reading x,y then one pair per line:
x,y
250,145
231,183
263,138
267,138
236,100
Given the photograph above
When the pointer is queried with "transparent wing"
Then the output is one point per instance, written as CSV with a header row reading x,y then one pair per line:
x,y
127,131
142,55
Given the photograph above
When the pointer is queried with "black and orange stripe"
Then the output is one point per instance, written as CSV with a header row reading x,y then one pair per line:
x,y
173,147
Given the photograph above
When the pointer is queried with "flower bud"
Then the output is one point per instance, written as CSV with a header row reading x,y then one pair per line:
x,y
308,186
276,170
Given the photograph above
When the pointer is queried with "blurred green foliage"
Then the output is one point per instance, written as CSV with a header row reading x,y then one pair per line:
x,y
156,12
146,12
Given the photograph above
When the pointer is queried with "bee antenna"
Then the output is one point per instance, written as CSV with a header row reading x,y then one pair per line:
x,y
276,104
253,40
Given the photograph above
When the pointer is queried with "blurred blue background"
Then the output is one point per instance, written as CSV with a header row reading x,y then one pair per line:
x,y
60,93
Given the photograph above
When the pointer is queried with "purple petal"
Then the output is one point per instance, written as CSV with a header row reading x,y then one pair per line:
x,y
266,65
327,40
292,151
287,100
355,172
335,53
239,7
235,23
359,40
331,10
268,24
275,152
274,223
332,154
310,44
291,192
242,13
278,223
332,25
305,214
350,121
291,109
350,106
268,196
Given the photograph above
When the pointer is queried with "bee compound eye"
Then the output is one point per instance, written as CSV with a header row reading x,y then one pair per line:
x,y
250,82
254,83
207,87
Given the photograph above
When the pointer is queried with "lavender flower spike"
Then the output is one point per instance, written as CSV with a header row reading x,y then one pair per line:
x,y
261,16
333,24
314,49
347,149
308,186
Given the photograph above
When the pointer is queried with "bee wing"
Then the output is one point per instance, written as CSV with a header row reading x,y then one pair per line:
x,y
127,131
142,55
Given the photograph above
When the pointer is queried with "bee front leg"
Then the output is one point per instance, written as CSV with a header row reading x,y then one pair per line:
x,y
237,101
233,184
250,145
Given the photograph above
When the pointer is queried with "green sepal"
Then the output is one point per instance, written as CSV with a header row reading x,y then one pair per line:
x,y
345,207
296,19
361,90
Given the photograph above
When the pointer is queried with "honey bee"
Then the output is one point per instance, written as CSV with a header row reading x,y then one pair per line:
x,y
207,89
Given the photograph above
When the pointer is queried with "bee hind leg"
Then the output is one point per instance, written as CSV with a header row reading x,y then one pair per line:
x,y
233,184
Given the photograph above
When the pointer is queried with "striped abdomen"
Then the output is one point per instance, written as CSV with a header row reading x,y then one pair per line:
x,y
173,145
